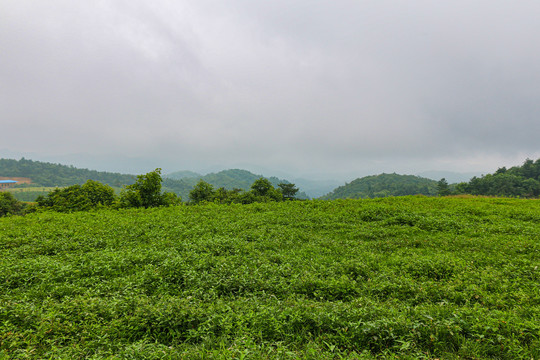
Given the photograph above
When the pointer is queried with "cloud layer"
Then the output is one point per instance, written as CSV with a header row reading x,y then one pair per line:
x,y
308,87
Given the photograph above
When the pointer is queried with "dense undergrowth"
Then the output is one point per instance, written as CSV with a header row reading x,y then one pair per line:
x,y
412,277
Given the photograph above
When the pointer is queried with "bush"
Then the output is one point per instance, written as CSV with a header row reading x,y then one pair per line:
x,y
146,192
90,195
9,205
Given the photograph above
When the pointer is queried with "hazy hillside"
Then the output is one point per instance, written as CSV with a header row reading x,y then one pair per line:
x,y
44,174
384,185
48,174
182,174
450,176
229,179
51,175
316,188
518,181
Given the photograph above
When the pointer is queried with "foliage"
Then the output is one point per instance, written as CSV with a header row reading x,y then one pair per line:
x,y
227,179
56,175
203,191
443,189
90,195
262,190
9,205
384,185
48,174
519,181
180,183
409,277
146,192
30,193
288,190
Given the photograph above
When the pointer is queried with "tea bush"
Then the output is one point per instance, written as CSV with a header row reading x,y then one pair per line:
x,y
410,277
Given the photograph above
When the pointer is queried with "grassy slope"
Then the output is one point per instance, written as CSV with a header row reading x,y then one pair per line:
x,y
414,276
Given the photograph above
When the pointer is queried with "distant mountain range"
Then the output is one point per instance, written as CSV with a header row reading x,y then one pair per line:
x,y
521,181
180,182
228,179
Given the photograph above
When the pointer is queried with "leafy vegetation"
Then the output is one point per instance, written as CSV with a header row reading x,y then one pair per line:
x,y
262,190
90,195
146,192
30,194
228,180
180,183
9,205
47,174
413,277
384,185
518,181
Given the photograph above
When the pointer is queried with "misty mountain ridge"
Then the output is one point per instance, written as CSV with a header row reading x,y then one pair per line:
x,y
228,179
182,174
180,182
451,176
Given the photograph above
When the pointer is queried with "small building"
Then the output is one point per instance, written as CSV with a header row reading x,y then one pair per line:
x,y
4,184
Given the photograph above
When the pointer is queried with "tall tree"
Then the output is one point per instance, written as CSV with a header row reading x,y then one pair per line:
x,y
203,191
262,187
288,191
145,192
443,189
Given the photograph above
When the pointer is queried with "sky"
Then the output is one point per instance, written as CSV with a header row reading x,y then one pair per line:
x,y
326,89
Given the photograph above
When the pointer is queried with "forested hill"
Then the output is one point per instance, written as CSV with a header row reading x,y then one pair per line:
x,y
48,174
228,179
518,181
384,185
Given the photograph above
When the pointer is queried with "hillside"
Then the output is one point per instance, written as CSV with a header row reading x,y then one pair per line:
x,y
45,175
228,179
384,185
182,174
407,278
518,181
48,174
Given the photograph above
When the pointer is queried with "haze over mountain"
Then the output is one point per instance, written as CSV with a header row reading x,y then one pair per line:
x,y
450,176
320,90
229,179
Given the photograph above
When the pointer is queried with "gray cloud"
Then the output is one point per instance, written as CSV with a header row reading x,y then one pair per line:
x,y
309,87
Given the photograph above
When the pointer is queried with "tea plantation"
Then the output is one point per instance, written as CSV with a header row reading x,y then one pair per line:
x,y
408,278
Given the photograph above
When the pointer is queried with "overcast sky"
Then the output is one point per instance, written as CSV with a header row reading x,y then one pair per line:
x,y
328,88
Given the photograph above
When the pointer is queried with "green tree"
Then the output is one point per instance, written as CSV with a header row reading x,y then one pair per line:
x,y
222,196
97,193
261,187
9,205
443,189
90,195
145,192
288,190
170,199
203,191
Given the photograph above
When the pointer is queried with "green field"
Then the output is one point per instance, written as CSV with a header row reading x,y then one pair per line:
x,y
410,277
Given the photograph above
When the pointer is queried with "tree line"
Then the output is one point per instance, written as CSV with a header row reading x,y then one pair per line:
x,y
518,181
261,190
146,192
48,174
